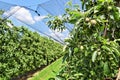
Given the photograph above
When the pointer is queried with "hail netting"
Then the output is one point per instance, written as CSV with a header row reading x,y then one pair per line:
x,y
5,7
56,8
36,18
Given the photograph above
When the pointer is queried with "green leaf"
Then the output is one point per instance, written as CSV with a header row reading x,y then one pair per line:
x,y
75,16
79,74
69,3
116,51
106,69
94,56
76,50
101,0
106,48
65,57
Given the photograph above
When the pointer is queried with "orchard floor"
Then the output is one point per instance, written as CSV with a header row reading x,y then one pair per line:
x,y
48,72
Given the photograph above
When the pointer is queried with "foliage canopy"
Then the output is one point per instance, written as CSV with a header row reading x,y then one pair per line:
x,y
93,50
22,50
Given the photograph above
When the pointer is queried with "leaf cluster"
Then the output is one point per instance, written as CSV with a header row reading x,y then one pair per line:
x,y
92,51
22,50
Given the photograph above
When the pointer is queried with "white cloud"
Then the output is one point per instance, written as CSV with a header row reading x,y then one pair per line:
x,y
59,35
20,13
39,18
60,16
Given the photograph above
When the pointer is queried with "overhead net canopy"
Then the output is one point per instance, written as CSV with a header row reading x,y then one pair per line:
x,y
36,19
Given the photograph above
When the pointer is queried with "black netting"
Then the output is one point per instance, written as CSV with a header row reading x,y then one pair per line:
x,y
36,19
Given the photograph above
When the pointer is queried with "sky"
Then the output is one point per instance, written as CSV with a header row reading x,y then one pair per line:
x,y
25,2
27,15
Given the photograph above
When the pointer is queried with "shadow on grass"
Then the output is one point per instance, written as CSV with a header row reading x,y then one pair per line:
x,y
51,79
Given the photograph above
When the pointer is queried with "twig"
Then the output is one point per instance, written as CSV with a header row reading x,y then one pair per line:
x,y
113,32
105,32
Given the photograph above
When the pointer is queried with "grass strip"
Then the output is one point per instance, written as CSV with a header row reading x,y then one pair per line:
x,y
48,72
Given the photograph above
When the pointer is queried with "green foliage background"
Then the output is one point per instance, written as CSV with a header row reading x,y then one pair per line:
x,y
22,50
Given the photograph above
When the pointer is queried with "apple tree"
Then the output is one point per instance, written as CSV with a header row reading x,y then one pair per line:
x,y
92,52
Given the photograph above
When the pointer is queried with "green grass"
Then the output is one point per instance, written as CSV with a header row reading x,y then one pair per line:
x,y
48,72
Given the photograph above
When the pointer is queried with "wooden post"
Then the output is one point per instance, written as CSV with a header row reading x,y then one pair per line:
x,y
118,76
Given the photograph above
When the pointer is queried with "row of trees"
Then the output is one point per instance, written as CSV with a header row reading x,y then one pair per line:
x,y
22,50
93,50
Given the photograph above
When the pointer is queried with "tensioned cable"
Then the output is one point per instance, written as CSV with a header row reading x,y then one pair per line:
x,y
55,33
41,31
31,10
62,10
28,9
12,13
37,4
20,6
8,3
49,12
38,31
51,30
27,24
52,14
